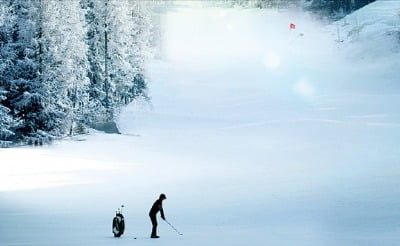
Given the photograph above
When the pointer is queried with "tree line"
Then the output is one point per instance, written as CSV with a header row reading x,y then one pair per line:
x,y
336,8
326,8
66,65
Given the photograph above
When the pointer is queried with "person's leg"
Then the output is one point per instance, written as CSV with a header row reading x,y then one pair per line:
x,y
154,222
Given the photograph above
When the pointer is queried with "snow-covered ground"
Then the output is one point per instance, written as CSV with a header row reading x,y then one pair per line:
x,y
259,135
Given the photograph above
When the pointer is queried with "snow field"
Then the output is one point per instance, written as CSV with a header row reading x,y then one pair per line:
x,y
257,135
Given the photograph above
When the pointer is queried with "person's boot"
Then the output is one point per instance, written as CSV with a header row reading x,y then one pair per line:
x,y
154,236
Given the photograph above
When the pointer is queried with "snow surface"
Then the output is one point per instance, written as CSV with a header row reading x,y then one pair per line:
x,y
258,135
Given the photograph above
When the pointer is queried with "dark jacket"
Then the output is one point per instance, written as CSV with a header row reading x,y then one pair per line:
x,y
157,206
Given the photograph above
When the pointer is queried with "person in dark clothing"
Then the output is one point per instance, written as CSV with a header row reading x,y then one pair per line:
x,y
157,207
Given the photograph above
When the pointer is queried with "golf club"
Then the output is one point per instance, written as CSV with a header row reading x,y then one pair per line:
x,y
173,227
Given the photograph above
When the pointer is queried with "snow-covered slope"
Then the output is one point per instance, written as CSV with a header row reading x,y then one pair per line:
x,y
376,20
376,27
259,135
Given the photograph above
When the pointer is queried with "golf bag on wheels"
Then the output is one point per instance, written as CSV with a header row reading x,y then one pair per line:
x,y
118,224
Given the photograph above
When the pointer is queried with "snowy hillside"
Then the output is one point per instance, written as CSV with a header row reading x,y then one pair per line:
x,y
258,134
374,25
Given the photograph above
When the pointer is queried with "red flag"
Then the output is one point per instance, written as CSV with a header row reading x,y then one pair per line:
x,y
292,26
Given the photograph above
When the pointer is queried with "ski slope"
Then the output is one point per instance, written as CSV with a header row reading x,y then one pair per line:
x,y
258,135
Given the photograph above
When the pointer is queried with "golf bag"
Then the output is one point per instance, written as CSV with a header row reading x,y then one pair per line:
x,y
118,224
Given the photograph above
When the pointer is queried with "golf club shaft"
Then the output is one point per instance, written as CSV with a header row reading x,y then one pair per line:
x,y
173,227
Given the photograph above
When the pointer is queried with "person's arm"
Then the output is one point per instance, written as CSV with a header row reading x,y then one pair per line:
x,y
162,212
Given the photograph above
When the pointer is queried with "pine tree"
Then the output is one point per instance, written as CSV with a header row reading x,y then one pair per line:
x,y
96,54
116,31
7,122
336,8
120,49
21,69
140,50
65,64
43,72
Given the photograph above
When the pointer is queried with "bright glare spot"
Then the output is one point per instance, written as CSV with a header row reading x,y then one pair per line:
x,y
43,170
229,27
304,88
272,60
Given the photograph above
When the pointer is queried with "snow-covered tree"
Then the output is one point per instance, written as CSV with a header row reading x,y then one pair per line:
x,y
116,31
7,123
43,71
6,120
336,7
97,38
21,68
139,50
65,64
260,3
121,48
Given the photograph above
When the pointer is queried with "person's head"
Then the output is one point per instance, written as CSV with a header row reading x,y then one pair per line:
x,y
163,196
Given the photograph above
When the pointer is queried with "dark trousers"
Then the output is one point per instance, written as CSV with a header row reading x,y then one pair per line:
x,y
153,219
